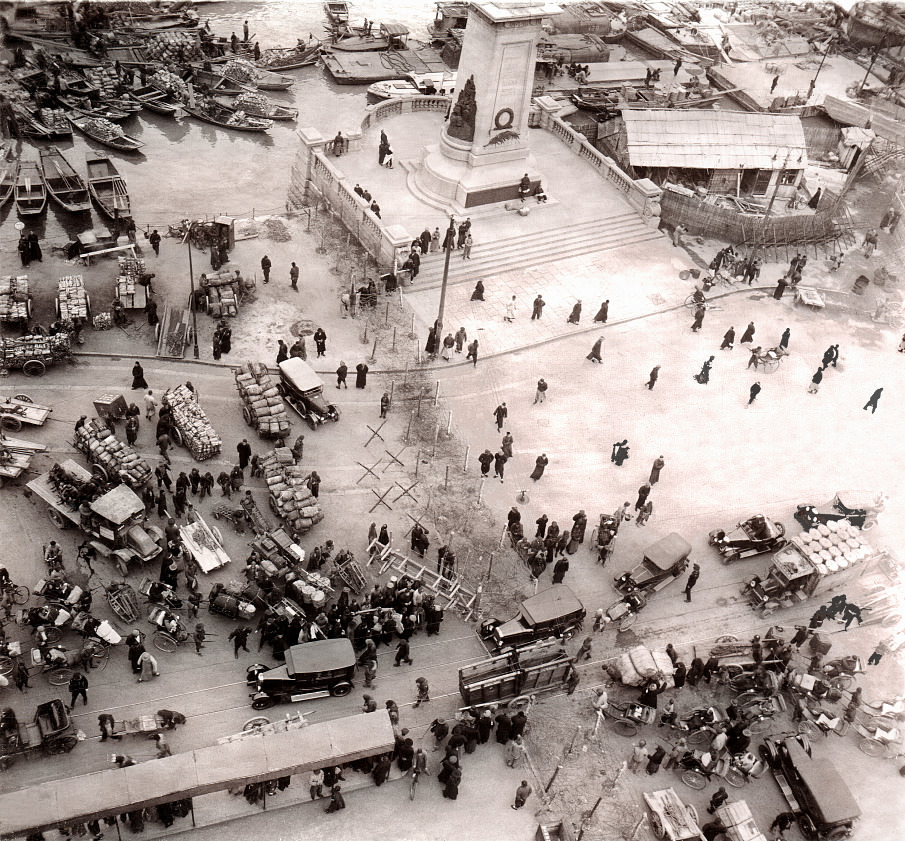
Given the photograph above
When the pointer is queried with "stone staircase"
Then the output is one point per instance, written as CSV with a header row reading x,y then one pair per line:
x,y
503,255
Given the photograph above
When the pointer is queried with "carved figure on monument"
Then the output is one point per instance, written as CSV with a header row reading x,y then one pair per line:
x,y
462,119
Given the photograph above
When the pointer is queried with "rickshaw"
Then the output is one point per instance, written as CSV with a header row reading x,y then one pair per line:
x,y
170,629
860,508
48,733
768,360
303,390
626,610
630,716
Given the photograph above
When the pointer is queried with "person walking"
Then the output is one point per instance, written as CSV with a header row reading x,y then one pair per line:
x,y
620,452
540,464
511,311
704,377
728,339
655,469
541,393
874,399
537,308
361,375
282,352
198,638
560,568
265,268
720,796
753,392
514,752
461,339
473,353
163,444
814,387
466,247
784,340
243,448
748,335
643,514
341,375
698,319
132,430
78,685
423,690
294,276
239,637
485,460
780,290
154,240
403,653
138,376
500,413
643,494
594,355
150,405
654,376
603,312
499,466
522,793
384,404
692,580
575,315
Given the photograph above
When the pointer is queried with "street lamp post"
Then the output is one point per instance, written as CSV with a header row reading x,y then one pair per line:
x,y
450,239
188,242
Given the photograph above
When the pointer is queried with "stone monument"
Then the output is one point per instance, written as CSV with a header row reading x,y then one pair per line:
x,y
483,152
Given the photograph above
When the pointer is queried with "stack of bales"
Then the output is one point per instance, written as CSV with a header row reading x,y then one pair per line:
x,y
289,493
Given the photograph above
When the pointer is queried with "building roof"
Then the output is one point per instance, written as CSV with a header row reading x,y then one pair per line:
x,y
705,139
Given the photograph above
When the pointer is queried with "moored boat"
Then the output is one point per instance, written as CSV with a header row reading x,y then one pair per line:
x,y
415,84
245,73
289,58
257,105
103,131
30,193
108,188
84,108
32,125
211,111
217,83
390,35
9,172
64,185
155,100
337,12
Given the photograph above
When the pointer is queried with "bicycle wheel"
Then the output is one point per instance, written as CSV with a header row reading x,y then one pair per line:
x,y
872,747
808,728
6,665
842,681
254,723
19,593
99,653
164,642
627,621
60,677
759,726
53,635
734,777
694,779
412,786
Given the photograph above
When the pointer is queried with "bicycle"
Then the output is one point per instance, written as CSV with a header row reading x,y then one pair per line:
x,y
18,593
414,783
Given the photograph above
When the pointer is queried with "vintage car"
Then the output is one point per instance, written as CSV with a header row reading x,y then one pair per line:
x,y
663,561
813,788
312,670
754,536
303,390
860,508
555,612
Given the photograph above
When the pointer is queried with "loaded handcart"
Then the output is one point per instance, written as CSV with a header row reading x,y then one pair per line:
x,y
221,293
671,818
290,497
73,301
21,410
111,406
204,544
132,283
768,360
34,354
110,458
143,725
15,457
190,425
15,300
254,515
263,406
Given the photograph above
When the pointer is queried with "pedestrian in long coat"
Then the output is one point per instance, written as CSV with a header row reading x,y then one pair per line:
x,y
657,466
874,399
620,452
576,534
283,352
780,290
575,315
603,312
425,240
485,459
138,376
341,375
500,413
243,448
560,568
540,464
704,377
448,344
430,346
784,341
594,355
748,335
485,727
361,375
461,338
478,294
216,346
654,375
728,339
499,465
320,341
226,337
643,494
503,727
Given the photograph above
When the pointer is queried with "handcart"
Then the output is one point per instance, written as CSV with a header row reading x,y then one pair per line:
x,y
15,456
258,521
204,545
349,572
630,716
173,332
221,293
263,407
123,600
278,547
810,297
670,817
33,354
143,725
15,412
111,406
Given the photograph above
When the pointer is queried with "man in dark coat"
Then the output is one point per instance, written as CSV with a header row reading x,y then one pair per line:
x,y
728,339
499,466
425,240
361,375
540,464
874,399
620,452
692,580
503,727
698,319
603,312
518,724
560,569
341,375
243,448
500,413
748,335
485,459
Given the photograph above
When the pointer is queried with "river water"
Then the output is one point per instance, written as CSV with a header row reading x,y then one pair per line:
x,y
190,169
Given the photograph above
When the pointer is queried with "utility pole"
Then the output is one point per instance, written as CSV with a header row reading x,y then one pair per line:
x,y
450,241
826,52
188,242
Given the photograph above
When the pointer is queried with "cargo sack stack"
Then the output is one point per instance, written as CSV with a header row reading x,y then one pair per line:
x,y
739,822
253,103
290,497
55,119
173,48
14,298
104,79
72,299
190,419
168,82
133,267
224,277
103,129
222,301
240,70
264,408
119,460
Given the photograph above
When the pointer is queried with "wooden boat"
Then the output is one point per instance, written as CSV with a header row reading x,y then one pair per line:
x,y
105,132
30,193
289,58
9,173
350,40
263,80
218,83
155,100
211,111
84,108
108,188
257,105
31,125
337,12
64,184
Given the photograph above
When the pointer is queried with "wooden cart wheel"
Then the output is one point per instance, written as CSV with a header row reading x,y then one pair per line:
x,y
60,677
246,414
23,398
178,440
760,725
57,518
63,744
520,703
694,779
626,728
734,777
656,826
6,665
53,634
692,812
872,747
627,621
727,638
34,368
101,472
254,723
19,593
164,642
11,422
699,738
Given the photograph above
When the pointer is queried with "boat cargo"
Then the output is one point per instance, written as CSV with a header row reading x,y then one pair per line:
x,y
211,111
105,132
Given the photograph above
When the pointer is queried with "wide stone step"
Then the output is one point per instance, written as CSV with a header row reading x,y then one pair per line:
x,y
489,258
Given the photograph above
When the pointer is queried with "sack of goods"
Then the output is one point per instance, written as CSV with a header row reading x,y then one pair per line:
x,y
103,448
290,496
240,70
264,408
253,103
55,120
102,321
165,81
103,129
72,299
191,421
173,48
14,298
104,79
